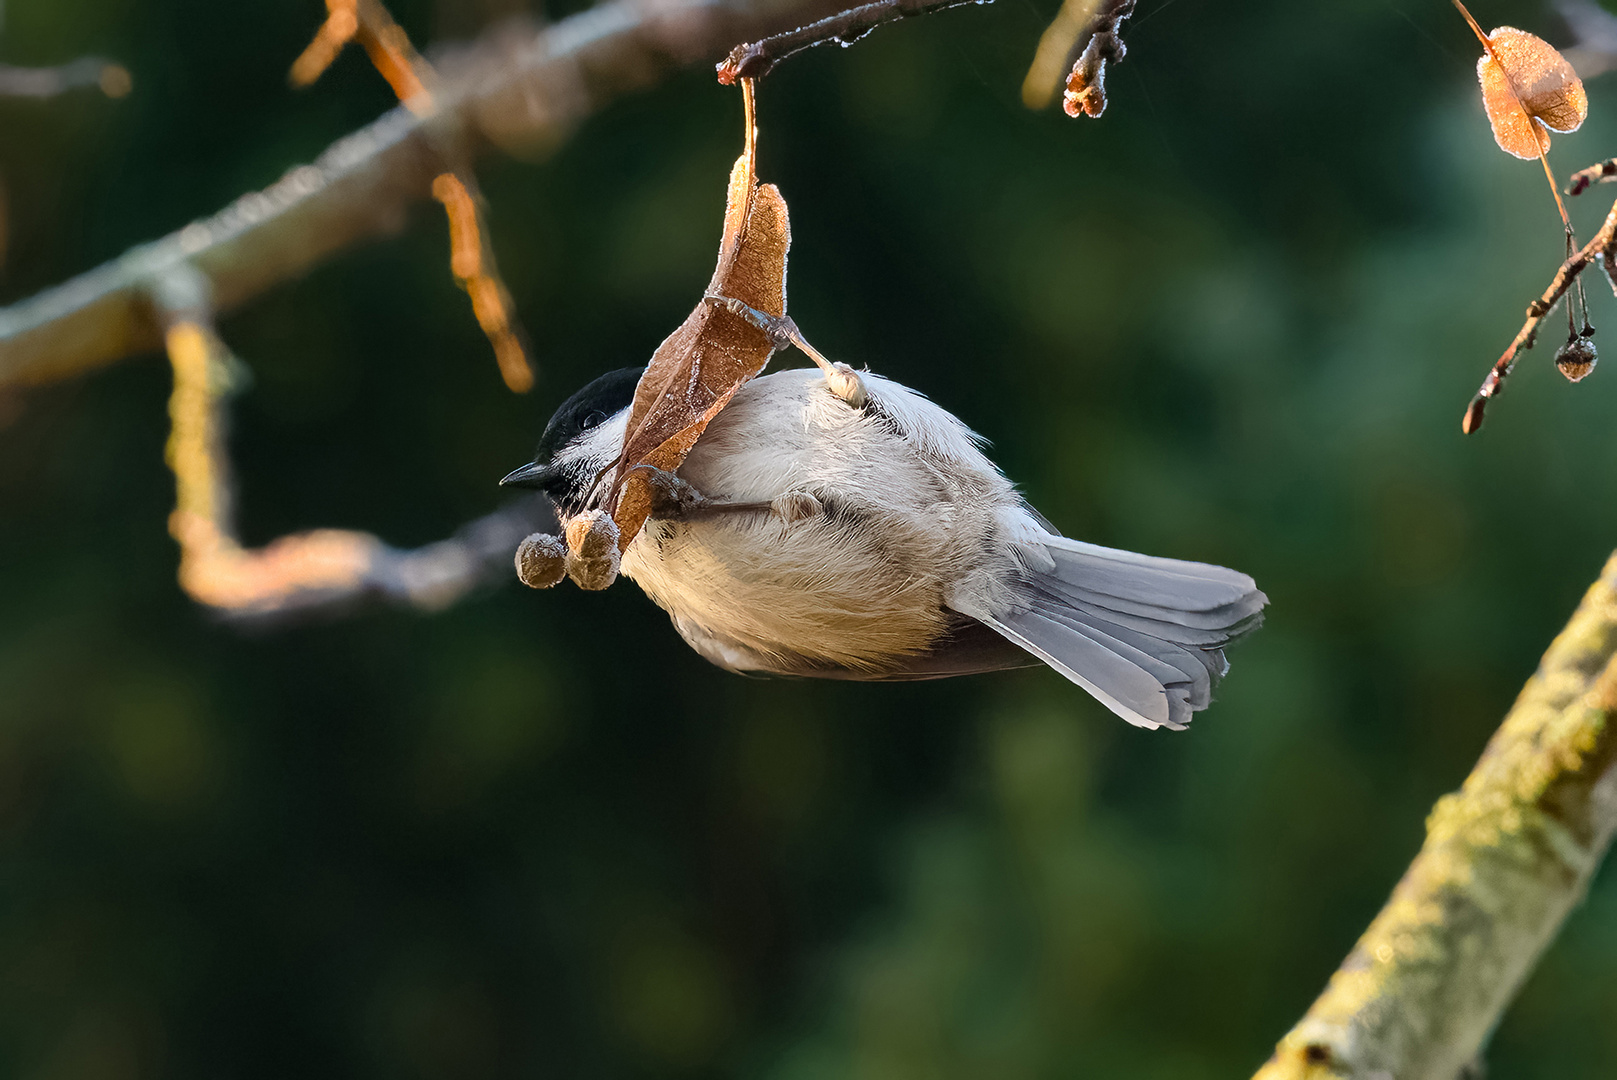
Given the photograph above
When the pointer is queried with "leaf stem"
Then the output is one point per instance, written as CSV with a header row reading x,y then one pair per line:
x,y
1534,128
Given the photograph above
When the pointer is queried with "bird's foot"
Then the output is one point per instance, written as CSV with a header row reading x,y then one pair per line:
x,y
840,379
671,497
795,506
674,499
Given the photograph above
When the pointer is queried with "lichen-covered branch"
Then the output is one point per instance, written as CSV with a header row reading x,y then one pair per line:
x,y
511,89
1505,859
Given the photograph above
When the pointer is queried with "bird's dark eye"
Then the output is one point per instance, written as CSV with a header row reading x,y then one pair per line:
x,y
592,418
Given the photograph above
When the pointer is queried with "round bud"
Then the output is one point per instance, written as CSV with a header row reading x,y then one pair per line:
x,y
1576,358
591,534
592,550
541,560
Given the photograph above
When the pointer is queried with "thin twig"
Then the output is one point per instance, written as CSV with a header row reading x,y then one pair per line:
x,y
471,259
1600,245
1579,182
384,41
755,60
1506,858
505,91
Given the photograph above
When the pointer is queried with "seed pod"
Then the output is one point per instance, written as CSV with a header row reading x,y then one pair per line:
x,y
1576,358
592,550
541,560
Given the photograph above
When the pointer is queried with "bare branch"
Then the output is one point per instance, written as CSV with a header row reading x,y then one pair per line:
x,y
1599,246
759,58
428,578
1506,859
510,90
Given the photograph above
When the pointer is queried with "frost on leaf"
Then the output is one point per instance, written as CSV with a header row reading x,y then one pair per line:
x,y
1521,67
699,367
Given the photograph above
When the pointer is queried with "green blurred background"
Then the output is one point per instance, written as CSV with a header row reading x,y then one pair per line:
x,y
1235,320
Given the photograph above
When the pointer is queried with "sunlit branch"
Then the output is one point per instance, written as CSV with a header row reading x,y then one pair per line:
x,y
508,90
471,258
472,262
384,41
322,568
1506,858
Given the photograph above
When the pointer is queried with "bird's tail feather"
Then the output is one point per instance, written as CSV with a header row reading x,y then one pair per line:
x,y
1144,635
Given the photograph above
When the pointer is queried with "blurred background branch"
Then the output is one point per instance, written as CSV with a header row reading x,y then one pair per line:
x,y
318,570
1506,859
471,258
501,91
384,41
1594,32
506,90
110,78
47,82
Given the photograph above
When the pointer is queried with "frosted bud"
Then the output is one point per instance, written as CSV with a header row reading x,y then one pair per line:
x,y
541,560
1576,358
592,550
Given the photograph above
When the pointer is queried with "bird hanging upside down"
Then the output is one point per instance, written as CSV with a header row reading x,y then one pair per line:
x,y
835,524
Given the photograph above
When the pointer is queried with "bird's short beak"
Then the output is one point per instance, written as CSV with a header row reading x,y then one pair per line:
x,y
532,475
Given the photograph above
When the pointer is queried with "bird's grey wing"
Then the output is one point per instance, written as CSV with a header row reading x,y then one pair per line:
x,y
1144,635
968,648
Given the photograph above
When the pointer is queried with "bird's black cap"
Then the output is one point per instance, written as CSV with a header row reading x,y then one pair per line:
x,y
590,406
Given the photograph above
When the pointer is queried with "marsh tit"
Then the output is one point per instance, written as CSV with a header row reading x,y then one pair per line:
x,y
815,531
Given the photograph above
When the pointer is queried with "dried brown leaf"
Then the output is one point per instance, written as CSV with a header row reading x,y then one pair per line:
x,y
1528,87
699,367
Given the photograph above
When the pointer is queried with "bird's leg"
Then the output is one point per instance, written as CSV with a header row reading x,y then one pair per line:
x,y
843,380
673,499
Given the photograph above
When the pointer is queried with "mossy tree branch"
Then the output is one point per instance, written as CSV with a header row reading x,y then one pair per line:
x,y
1506,859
